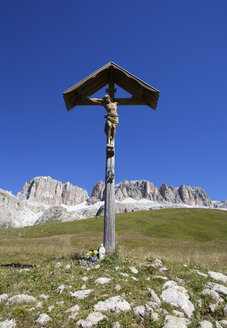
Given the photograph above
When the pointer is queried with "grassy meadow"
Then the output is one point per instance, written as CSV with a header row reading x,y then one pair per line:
x,y
184,239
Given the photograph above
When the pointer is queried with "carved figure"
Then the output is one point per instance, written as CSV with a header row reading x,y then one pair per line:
x,y
112,118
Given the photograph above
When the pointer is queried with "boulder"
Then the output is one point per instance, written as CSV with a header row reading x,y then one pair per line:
x,y
113,304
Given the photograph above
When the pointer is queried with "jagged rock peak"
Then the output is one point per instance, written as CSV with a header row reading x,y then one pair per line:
x,y
45,190
98,190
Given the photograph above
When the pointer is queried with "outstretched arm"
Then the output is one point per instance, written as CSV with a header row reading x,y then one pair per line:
x,y
97,101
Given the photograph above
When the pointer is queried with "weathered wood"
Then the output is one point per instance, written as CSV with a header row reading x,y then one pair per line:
x,y
109,210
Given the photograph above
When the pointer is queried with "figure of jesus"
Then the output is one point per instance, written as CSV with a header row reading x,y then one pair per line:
x,y
112,118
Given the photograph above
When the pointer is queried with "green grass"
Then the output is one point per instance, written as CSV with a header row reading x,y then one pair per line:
x,y
196,237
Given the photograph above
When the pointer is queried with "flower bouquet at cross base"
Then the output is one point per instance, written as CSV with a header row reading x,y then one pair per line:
x,y
90,258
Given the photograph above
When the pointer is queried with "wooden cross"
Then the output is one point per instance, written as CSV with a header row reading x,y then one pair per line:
x,y
79,95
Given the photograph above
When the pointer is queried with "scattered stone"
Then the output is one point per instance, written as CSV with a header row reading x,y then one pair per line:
x,y
177,296
201,274
85,278
3,297
60,302
73,309
143,311
118,287
44,297
225,310
133,270
181,281
223,323
83,287
116,325
218,276
8,324
39,305
124,274
67,267
148,278
217,325
163,269
61,288
81,294
97,266
205,324
113,304
213,307
117,268
58,265
43,319
102,281
155,316
213,294
18,299
153,296
157,263
50,308
134,278
220,289
175,322
91,320
178,313
160,277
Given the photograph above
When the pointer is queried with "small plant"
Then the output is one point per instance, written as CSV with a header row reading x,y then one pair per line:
x,y
90,258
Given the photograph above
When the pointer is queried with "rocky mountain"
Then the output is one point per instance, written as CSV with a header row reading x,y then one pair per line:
x,y
143,189
45,199
48,191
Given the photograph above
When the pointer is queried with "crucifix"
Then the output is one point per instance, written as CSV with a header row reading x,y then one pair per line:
x,y
80,94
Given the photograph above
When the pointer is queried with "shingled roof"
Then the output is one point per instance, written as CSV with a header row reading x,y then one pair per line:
x,y
142,92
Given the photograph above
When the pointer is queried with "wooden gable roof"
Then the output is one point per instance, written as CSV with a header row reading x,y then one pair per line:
x,y
142,92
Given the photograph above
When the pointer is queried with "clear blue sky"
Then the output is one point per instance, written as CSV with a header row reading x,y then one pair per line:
x,y
178,47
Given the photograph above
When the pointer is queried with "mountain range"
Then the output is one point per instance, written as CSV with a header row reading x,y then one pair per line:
x,y
45,199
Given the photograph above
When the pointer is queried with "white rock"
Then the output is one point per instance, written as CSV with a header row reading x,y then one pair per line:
x,y
169,283
117,268
133,270
67,267
177,296
213,307
118,287
21,298
153,296
91,320
116,325
178,313
163,269
72,309
220,289
155,316
58,265
83,287
3,297
102,281
43,319
218,276
160,277
39,305
50,308
123,274
157,263
217,325
44,297
85,278
8,324
134,278
113,304
61,288
60,302
175,322
201,274
143,311
225,310
223,323
97,266
81,294
205,324
213,294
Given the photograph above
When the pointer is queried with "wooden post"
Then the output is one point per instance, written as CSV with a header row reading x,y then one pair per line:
x,y
109,211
